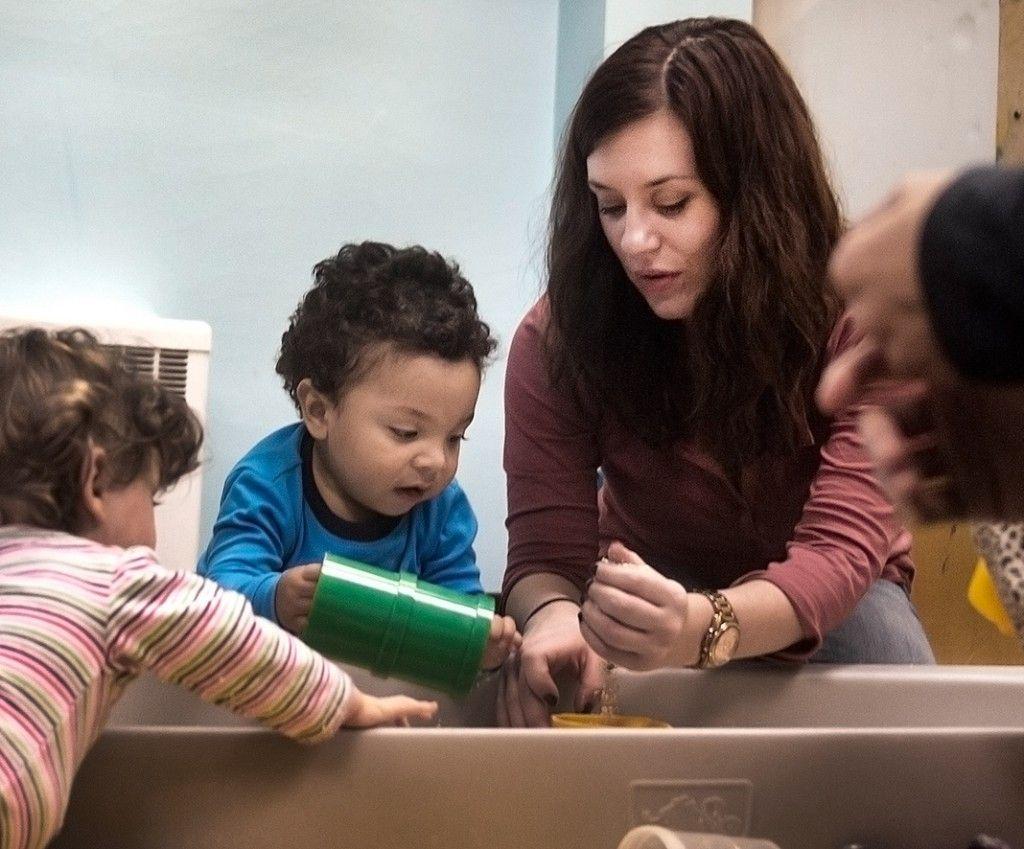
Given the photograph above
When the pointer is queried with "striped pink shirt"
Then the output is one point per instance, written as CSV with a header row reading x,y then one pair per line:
x,y
79,621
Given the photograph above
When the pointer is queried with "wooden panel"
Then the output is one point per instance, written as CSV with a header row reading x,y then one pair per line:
x,y
944,554
1010,108
945,559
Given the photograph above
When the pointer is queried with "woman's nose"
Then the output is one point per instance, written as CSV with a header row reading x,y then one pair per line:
x,y
638,236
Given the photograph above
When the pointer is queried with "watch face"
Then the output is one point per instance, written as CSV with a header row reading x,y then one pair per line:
x,y
725,645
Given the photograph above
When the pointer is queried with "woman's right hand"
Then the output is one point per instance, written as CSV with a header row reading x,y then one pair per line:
x,y
552,643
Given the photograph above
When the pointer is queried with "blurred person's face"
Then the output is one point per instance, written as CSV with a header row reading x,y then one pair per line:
x,y
659,219
392,440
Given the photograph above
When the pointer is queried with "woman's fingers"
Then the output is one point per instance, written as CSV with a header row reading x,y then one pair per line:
x,y
624,607
618,553
501,707
593,676
535,674
620,637
513,708
608,652
528,710
635,579
644,584
518,706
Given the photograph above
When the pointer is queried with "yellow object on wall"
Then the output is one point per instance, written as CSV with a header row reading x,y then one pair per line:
x,y
946,560
983,596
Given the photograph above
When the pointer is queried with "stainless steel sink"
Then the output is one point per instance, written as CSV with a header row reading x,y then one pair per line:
x,y
811,758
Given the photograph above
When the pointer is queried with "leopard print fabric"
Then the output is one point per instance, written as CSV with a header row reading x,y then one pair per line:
x,y
1002,546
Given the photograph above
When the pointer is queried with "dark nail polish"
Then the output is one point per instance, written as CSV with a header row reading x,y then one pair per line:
x,y
551,700
589,706
580,616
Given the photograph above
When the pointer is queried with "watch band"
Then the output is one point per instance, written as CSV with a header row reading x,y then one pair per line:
x,y
722,618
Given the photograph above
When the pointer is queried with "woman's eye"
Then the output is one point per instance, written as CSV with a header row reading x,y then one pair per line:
x,y
611,210
402,433
673,208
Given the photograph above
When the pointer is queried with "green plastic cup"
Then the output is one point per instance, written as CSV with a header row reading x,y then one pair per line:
x,y
396,625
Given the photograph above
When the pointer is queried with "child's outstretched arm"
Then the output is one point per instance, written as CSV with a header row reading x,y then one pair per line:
x,y
191,632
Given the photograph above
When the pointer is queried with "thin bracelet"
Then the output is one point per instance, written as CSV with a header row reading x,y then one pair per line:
x,y
544,604
493,670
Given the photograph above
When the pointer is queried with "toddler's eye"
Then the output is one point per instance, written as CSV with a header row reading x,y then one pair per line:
x,y
403,433
455,440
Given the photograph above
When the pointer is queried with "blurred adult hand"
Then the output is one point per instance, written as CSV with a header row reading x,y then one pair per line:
x,y
950,453
942,448
875,269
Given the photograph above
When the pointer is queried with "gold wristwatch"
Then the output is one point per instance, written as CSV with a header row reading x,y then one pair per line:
x,y
722,636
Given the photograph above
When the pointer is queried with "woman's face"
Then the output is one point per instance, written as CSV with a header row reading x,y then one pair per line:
x,y
658,217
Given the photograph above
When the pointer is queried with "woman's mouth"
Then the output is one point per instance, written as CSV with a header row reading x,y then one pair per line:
x,y
655,282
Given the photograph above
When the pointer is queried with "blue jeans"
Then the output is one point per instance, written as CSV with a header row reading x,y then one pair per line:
x,y
883,628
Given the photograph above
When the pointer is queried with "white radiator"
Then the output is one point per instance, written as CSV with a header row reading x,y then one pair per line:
x,y
177,354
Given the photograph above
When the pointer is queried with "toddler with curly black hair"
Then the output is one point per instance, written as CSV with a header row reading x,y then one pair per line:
x,y
383,359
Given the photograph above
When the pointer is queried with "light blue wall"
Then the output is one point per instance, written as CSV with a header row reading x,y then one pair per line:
x,y
197,159
580,51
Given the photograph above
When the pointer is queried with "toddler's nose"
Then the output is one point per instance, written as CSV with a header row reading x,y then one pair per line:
x,y
429,463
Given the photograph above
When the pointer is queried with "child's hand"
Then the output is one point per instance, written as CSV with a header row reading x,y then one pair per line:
x,y
503,639
294,596
366,711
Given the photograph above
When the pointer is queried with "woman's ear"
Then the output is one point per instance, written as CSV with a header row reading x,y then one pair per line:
x,y
314,406
93,486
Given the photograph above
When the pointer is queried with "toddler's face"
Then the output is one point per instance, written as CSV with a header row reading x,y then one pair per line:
x,y
393,439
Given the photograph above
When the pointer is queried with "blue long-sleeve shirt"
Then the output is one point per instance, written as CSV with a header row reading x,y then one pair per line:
x,y
272,517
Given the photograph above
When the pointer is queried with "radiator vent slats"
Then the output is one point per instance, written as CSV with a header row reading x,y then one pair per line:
x,y
168,366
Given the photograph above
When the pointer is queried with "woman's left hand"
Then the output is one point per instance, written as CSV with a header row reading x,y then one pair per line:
x,y
635,617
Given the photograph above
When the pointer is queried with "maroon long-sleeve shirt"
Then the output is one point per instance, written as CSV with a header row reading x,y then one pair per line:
x,y
815,524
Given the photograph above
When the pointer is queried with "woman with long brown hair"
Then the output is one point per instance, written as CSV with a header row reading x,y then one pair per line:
x,y
659,397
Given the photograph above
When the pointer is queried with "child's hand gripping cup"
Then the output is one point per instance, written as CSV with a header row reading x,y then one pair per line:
x,y
396,625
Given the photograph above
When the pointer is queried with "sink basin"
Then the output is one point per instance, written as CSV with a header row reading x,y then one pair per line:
x,y
810,758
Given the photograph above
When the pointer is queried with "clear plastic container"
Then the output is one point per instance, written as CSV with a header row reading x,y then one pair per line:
x,y
657,837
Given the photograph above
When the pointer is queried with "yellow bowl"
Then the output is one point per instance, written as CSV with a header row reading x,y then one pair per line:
x,y
604,720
